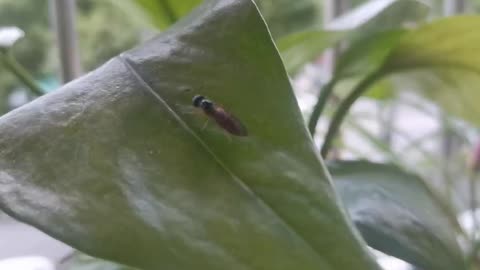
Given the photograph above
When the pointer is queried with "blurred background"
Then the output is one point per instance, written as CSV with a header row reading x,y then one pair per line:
x,y
55,41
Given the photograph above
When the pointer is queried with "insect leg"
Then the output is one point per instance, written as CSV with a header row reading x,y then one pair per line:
x,y
205,125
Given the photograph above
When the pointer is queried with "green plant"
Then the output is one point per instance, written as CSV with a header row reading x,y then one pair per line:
x,y
183,196
125,173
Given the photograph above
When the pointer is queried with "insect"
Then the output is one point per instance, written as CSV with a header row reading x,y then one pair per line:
x,y
224,119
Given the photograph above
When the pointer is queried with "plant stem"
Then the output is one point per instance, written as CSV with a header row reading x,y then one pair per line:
x,y
323,96
20,72
169,12
345,106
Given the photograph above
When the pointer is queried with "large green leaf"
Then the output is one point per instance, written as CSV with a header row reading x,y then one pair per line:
x,y
114,165
397,214
373,17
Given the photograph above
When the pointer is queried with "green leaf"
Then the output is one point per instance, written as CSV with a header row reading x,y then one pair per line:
x,y
282,16
381,27
299,48
380,15
453,89
159,13
441,61
397,214
287,16
115,165
446,43
373,17
367,53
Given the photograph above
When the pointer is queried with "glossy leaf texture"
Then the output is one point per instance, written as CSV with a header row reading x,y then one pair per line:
x,y
397,214
117,165
355,26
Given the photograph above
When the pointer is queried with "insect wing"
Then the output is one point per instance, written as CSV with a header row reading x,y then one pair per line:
x,y
229,122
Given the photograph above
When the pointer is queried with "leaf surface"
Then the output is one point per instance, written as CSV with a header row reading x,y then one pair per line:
x,y
397,214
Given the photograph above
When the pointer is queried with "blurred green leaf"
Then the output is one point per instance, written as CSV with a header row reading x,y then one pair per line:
x,y
442,61
447,43
282,16
454,90
115,166
397,214
382,90
380,15
366,53
286,16
159,13
373,17
299,48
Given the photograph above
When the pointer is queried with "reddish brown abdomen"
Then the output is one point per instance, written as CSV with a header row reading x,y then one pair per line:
x,y
228,122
